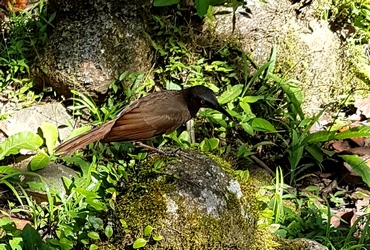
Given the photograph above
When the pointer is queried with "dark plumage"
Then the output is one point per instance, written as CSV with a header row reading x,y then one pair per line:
x,y
150,116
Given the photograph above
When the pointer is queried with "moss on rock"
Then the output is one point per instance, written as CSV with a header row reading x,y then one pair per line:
x,y
193,204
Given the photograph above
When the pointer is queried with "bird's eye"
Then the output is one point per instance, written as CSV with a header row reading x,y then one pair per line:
x,y
202,102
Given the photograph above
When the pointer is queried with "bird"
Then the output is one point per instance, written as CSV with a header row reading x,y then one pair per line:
x,y
153,115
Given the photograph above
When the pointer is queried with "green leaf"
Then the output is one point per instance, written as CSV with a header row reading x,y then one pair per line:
x,y
320,136
312,188
23,140
295,96
93,247
252,99
315,152
230,94
8,170
246,107
50,134
362,131
96,222
209,144
202,7
260,124
108,231
170,85
93,235
157,238
248,128
31,238
139,243
256,76
77,131
271,67
359,166
159,3
242,174
39,161
148,230
16,243
184,136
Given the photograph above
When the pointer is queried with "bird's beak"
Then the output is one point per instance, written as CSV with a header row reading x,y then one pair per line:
x,y
223,111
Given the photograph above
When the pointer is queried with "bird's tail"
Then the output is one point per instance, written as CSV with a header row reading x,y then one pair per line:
x,y
81,141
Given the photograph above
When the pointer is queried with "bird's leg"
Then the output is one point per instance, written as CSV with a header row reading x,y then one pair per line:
x,y
160,151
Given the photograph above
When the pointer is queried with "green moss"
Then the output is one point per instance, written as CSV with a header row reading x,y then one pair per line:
x,y
145,202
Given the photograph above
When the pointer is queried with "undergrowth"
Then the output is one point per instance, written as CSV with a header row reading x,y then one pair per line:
x,y
268,126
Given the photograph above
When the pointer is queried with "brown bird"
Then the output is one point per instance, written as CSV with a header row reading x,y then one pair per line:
x,y
150,116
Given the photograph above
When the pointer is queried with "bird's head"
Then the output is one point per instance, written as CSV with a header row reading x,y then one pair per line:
x,y
204,97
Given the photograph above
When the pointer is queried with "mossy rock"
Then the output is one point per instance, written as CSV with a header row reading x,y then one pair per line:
x,y
193,203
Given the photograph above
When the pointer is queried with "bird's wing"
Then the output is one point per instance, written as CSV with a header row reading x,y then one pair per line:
x,y
149,118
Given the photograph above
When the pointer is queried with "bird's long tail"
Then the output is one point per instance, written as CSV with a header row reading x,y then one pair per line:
x,y
81,141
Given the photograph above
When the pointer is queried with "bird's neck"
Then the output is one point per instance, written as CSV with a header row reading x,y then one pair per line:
x,y
193,104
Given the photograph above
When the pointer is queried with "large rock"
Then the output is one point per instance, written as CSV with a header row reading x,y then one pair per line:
x,y
307,49
92,43
193,203
30,119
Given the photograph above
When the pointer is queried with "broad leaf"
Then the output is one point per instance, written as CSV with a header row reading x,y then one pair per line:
x,y
209,144
157,237
148,230
202,7
320,136
31,238
8,170
23,140
230,94
359,166
39,161
248,128
252,99
260,124
139,243
363,131
108,231
93,235
50,134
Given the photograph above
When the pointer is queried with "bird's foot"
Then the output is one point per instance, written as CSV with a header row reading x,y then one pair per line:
x,y
159,151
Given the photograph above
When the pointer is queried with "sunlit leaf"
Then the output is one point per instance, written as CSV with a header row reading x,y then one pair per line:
x,y
148,230
77,131
230,94
23,140
139,243
108,231
362,131
157,238
8,170
359,166
39,161
252,99
93,235
50,134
